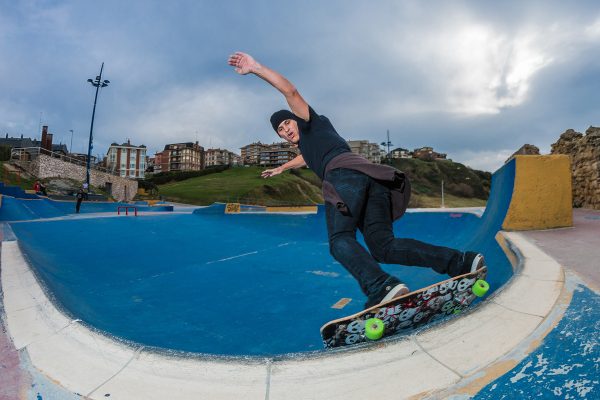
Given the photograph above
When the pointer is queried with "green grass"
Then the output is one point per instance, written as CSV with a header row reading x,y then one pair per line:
x,y
244,185
463,187
13,179
422,201
426,178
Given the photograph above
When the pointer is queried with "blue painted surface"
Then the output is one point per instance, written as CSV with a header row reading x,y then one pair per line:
x,y
236,284
14,209
567,363
15,191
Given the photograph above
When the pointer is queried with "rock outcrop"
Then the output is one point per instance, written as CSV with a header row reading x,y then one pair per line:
x,y
585,164
526,150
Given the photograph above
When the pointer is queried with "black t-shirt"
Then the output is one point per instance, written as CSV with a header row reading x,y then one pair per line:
x,y
319,142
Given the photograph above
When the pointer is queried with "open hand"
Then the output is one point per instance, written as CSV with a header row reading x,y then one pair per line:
x,y
243,63
267,173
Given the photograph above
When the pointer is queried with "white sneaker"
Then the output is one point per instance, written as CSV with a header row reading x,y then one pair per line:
x,y
399,290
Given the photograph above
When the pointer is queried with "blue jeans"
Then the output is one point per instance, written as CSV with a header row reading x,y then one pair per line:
x,y
369,205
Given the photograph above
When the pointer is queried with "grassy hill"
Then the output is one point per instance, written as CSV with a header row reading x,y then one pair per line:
x,y
463,187
244,185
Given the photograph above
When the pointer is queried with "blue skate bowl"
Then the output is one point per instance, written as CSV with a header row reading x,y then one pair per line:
x,y
248,284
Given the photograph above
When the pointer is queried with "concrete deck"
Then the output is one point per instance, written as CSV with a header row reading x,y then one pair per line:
x,y
577,248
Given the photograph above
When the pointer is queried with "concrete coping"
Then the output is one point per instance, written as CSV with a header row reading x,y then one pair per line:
x,y
470,348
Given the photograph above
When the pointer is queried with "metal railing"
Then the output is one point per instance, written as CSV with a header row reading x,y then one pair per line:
x,y
29,154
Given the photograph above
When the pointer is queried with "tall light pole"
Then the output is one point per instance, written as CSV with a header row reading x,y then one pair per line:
x,y
443,204
71,146
97,83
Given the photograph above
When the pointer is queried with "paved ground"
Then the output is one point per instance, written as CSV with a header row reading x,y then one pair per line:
x,y
576,248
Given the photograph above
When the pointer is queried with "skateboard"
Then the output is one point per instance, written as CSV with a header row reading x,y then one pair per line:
x,y
407,312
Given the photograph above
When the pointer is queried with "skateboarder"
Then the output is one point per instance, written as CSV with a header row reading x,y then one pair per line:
x,y
358,195
80,196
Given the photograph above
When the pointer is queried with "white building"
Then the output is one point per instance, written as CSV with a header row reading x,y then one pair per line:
x,y
400,153
127,160
370,151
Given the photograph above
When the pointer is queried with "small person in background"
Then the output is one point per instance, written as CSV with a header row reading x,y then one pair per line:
x,y
80,195
39,188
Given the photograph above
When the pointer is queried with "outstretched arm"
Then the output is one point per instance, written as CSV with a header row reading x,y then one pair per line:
x,y
297,162
245,64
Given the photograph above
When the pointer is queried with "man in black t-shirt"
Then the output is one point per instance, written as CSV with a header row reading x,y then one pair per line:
x,y
367,195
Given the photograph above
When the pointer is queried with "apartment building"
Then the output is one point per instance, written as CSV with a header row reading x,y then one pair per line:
x,y
236,160
276,156
216,157
368,150
268,155
158,162
251,153
127,160
180,157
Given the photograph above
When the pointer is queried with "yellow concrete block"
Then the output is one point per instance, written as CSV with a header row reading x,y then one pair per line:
x,y
232,208
542,196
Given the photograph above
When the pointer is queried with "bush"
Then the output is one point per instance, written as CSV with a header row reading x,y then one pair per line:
x,y
148,186
165,177
4,153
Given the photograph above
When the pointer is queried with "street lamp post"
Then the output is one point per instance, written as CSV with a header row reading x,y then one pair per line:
x,y
387,144
71,146
97,83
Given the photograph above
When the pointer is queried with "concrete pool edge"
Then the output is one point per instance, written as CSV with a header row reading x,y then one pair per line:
x,y
94,365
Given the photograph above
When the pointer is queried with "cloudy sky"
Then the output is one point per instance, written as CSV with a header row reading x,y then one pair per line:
x,y
473,79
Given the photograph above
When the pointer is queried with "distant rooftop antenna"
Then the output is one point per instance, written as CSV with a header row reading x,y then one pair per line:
x,y
40,124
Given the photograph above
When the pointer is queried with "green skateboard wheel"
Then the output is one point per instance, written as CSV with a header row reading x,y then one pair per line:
x,y
480,288
374,328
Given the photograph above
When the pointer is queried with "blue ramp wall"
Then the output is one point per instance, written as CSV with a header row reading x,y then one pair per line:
x,y
15,191
230,284
13,209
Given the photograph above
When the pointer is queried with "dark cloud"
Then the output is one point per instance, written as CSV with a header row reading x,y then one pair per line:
x,y
473,79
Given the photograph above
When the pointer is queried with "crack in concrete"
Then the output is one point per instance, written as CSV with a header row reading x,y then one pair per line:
x,y
416,342
133,356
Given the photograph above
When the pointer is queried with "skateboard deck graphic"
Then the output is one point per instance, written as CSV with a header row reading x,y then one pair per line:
x,y
407,312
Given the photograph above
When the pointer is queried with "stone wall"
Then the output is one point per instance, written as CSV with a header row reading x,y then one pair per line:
x,y
584,151
122,189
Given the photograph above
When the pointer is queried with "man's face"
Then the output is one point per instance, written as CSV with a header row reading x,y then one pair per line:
x,y
288,131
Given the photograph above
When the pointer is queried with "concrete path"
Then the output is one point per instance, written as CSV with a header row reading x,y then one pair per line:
x,y
576,248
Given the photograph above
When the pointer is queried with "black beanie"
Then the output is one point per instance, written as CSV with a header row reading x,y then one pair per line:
x,y
280,116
